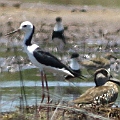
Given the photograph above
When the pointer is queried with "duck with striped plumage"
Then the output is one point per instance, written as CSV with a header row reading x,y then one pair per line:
x,y
104,93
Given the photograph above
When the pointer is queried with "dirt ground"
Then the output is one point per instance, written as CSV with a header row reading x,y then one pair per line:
x,y
81,22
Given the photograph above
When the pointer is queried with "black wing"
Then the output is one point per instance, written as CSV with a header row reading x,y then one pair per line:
x,y
59,34
48,59
77,73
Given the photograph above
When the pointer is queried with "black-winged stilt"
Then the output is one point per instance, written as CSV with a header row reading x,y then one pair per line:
x,y
74,62
58,34
43,60
74,65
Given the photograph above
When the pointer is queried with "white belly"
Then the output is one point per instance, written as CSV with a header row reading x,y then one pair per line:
x,y
29,50
35,62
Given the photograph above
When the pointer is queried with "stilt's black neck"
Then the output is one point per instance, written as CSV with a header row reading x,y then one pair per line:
x,y
28,40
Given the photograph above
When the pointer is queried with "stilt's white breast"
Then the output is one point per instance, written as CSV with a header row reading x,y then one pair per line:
x,y
74,64
58,27
29,50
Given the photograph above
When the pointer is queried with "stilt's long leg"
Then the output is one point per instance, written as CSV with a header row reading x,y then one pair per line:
x,y
43,92
45,78
47,88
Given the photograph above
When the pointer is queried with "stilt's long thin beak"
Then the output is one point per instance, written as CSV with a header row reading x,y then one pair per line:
x,y
12,32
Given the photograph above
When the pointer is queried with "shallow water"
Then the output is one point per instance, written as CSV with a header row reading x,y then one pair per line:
x,y
13,84
11,92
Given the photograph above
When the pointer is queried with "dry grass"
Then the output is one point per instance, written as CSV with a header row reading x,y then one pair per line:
x,y
62,112
93,15
95,63
79,24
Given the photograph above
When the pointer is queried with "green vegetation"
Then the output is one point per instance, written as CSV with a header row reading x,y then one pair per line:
x,y
112,3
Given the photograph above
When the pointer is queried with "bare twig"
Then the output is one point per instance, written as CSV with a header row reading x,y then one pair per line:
x,y
67,108
52,118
